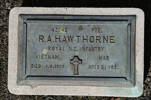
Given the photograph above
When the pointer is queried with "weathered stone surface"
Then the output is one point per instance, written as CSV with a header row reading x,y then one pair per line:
x,y
76,55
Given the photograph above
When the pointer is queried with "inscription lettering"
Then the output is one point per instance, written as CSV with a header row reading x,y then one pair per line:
x,y
77,50
78,39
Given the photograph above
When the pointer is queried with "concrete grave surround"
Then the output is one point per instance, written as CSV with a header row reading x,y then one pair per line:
x,y
14,88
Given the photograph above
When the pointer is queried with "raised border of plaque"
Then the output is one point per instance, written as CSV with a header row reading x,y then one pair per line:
x,y
87,86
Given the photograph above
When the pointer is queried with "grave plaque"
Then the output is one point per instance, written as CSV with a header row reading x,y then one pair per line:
x,y
76,51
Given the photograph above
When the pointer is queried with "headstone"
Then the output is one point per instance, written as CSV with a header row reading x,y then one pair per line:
x,y
76,51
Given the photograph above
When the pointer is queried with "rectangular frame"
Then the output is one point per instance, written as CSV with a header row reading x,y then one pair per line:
x,y
95,81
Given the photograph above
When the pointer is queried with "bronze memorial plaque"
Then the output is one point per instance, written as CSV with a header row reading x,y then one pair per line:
x,y
76,51
77,47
